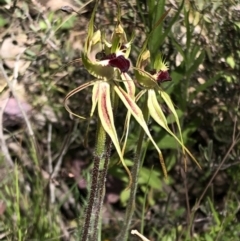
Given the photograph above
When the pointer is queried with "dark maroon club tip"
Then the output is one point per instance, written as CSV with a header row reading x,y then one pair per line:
x,y
120,62
163,76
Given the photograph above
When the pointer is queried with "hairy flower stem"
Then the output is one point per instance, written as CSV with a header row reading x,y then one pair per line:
x,y
102,177
94,192
101,188
123,235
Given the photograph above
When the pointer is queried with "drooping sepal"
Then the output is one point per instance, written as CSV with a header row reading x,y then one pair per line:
x,y
138,115
106,116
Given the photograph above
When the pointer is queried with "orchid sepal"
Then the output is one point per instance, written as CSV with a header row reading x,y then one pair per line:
x,y
106,116
157,114
137,113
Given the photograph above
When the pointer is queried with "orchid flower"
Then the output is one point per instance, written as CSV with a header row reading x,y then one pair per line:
x,y
151,84
111,68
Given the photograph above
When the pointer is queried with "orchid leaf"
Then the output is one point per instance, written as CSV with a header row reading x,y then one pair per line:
x,y
203,87
150,35
137,113
157,12
73,92
106,117
166,30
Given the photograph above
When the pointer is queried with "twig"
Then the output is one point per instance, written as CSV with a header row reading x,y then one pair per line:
x,y
50,167
4,147
49,140
11,87
135,232
235,121
184,176
14,6
64,149
235,140
214,175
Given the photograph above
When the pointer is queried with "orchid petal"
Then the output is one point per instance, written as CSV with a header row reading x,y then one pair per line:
x,y
130,87
170,105
90,29
157,114
73,92
143,59
126,131
137,113
95,94
106,117
129,84
140,94
155,111
118,38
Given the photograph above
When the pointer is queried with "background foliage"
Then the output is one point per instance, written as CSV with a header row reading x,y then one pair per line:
x,y
45,173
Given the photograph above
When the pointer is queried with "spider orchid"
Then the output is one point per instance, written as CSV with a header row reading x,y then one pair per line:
x,y
111,68
151,84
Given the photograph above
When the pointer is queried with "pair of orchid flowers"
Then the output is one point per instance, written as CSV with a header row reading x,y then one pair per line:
x,y
112,69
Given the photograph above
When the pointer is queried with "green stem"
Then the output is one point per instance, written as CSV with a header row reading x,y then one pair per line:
x,y
123,235
98,157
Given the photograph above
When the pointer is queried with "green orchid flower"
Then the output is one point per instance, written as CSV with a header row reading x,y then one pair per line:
x,y
110,72
150,82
